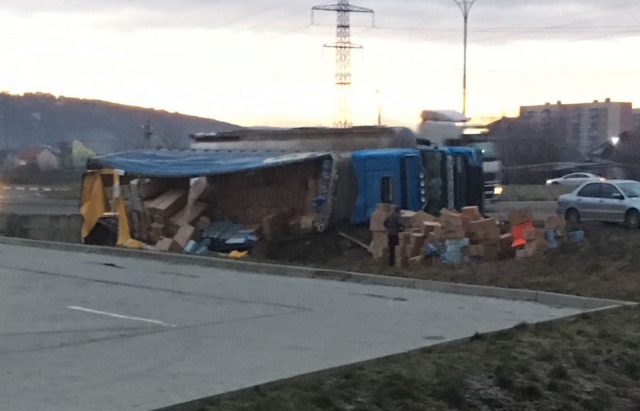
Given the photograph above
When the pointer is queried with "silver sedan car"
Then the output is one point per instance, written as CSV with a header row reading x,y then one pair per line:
x,y
615,201
575,179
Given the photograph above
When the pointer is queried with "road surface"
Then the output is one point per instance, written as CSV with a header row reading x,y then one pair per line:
x,y
30,201
89,332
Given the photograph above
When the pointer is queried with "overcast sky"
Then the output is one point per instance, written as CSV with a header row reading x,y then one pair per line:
x,y
261,62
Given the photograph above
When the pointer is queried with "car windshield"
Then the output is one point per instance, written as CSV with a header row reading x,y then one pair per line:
x,y
488,150
631,190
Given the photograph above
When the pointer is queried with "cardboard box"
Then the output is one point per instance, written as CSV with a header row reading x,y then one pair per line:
x,y
275,225
378,217
486,225
536,245
529,234
415,245
407,218
520,216
416,263
387,208
434,238
419,218
168,204
475,251
401,259
456,234
195,211
506,241
476,236
168,245
556,223
429,228
184,235
308,223
404,238
149,188
472,213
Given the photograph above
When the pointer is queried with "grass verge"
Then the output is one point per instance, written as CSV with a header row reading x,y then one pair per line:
x,y
589,362
605,265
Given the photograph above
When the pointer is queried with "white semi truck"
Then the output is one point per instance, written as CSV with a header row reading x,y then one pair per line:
x,y
445,128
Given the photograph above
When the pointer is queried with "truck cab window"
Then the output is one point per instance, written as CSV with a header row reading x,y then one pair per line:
x,y
386,190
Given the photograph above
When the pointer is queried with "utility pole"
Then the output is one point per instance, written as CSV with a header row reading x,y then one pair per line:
x,y
343,48
465,7
379,108
148,133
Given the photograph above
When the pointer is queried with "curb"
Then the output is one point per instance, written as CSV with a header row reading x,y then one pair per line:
x,y
31,188
198,404
542,297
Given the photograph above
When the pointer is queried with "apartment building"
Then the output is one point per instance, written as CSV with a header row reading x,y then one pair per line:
x,y
585,126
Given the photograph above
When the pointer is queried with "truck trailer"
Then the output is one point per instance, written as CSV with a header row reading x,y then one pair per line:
x,y
329,175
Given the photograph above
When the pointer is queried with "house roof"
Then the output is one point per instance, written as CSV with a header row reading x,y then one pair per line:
x,y
31,153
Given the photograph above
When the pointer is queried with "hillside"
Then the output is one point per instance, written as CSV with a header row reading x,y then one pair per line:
x,y
33,119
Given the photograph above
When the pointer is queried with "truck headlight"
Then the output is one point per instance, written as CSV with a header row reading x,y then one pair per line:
x,y
497,190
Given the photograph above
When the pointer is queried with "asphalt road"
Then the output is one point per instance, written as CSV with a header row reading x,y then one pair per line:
x,y
35,202
90,332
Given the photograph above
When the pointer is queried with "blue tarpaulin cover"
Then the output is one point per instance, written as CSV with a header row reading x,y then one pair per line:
x,y
195,163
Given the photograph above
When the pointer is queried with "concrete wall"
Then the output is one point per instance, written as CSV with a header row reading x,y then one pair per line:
x,y
58,228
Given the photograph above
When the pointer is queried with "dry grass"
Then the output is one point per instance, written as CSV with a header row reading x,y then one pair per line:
x,y
534,192
606,265
590,362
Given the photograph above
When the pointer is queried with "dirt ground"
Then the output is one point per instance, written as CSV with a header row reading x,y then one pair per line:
x,y
589,362
605,265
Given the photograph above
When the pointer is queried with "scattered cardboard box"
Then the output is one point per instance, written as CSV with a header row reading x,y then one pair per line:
x,y
184,235
407,218
520,216
416,263
168,245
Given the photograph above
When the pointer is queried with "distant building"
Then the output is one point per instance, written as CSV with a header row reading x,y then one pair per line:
x,y
42,156
636,119
585,126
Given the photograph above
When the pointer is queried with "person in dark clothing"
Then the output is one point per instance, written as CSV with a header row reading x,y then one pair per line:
x,y
394,226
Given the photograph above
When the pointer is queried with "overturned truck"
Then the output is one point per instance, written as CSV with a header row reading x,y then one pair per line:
x,y
276,183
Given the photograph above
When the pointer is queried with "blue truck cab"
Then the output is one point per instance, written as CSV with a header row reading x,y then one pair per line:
x,y
425,179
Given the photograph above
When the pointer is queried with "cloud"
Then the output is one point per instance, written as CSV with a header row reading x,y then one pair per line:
x,y
492,21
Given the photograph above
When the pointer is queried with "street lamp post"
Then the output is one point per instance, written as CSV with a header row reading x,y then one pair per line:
x,y
465,7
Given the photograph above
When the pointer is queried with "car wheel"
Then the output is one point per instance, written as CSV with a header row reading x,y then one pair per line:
x,y
632,219
572,216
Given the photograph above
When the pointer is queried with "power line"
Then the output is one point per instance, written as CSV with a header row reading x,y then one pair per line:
x,y
547,19
533,30
247,16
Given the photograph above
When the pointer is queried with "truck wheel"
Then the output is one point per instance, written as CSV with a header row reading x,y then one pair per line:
x,y
632,219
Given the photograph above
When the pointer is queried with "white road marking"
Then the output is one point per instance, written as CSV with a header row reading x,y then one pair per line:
x,y
20,188
122,317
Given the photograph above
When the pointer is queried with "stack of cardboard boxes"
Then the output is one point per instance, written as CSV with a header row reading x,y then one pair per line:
x,y
452,238
379,246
